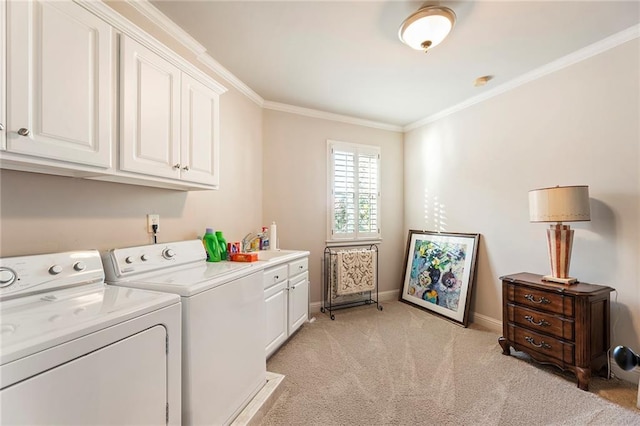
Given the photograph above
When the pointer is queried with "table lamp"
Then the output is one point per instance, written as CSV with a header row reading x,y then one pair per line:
x,y
560,204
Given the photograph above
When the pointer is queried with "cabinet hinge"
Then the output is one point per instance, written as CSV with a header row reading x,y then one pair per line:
x,y
167,413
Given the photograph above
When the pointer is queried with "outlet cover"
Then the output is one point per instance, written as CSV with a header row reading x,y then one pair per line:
x,y
152,219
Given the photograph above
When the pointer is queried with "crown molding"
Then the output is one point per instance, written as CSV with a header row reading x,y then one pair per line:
x,y
149,11
227,75
568,60
314,113
126,27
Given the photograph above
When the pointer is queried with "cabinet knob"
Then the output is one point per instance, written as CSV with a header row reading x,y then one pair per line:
x,y
185,168
23,132
176,166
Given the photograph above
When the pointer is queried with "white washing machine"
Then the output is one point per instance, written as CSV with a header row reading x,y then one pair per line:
x,y
223,328
74,351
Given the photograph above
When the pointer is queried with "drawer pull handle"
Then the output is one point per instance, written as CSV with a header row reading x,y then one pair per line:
x,y
542,344
275,277
542,322
542,300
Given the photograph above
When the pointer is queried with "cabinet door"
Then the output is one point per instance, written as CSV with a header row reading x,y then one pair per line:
x,y
276,320
150,112
298,301
60,83
3,84
200,133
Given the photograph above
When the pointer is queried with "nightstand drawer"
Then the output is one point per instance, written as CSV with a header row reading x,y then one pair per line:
x,y
541,321
545,345
563,325
538,299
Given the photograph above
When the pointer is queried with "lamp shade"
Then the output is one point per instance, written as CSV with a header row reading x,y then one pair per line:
x,y
427,27
559,204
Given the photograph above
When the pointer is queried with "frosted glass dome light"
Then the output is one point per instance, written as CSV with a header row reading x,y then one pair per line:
x,y
427,27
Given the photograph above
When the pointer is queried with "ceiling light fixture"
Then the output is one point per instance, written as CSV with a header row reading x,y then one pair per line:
x,y
426,28
481,81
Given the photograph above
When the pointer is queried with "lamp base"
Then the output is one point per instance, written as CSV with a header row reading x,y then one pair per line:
x,y
567,280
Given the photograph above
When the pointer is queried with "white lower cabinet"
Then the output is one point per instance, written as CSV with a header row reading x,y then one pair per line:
x,y
276,301
286,298
298,301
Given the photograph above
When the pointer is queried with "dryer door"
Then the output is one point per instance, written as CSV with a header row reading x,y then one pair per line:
x,y
122,383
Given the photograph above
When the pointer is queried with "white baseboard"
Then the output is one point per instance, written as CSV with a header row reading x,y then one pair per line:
x,y
383,296
632,376
486,322
393,295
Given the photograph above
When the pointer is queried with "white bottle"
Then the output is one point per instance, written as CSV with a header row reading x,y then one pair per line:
x,y
273,237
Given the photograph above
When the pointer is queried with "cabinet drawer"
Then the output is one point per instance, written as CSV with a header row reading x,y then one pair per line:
x,y
541,322
274,276
298,266
533,343
540,299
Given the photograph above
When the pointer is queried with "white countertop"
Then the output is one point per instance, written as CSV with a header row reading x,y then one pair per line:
x,y
271,258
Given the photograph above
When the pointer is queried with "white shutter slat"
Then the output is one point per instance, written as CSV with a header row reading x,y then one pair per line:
x,y
355,192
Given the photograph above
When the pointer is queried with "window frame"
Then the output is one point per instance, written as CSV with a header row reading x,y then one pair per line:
x,y
359,150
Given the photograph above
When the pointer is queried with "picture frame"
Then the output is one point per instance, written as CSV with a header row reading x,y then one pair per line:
x,y
439,273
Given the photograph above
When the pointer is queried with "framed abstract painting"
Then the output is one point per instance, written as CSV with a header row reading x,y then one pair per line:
x,y
439,273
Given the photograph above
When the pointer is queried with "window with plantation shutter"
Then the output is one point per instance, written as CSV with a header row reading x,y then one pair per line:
x,y
354,192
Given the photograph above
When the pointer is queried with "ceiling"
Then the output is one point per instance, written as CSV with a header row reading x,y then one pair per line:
x,y
345,57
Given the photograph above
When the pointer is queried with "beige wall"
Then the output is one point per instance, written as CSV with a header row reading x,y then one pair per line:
x,y
579,125
295,188
41,213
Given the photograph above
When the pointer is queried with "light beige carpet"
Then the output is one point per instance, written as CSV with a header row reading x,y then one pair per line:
x,y
404,366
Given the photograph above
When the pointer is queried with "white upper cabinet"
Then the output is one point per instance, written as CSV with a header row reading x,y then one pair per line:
x,y
200,151
149,112
61,94
169,120
60,83
3,80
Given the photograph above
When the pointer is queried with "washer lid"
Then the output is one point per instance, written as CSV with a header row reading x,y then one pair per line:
x,y
192,279
34,323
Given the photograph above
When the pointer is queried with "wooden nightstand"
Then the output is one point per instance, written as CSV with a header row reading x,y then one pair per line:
x,y
563,325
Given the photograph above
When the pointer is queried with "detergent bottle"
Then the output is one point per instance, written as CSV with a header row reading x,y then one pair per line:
x,y
211,246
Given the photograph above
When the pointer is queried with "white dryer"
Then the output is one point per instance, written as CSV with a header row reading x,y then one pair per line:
x,y
74,351
223,327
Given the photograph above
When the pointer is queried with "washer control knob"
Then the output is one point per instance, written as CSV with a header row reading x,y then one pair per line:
x,y
79,266
7,277
129,259
168,253
144,257
55,269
